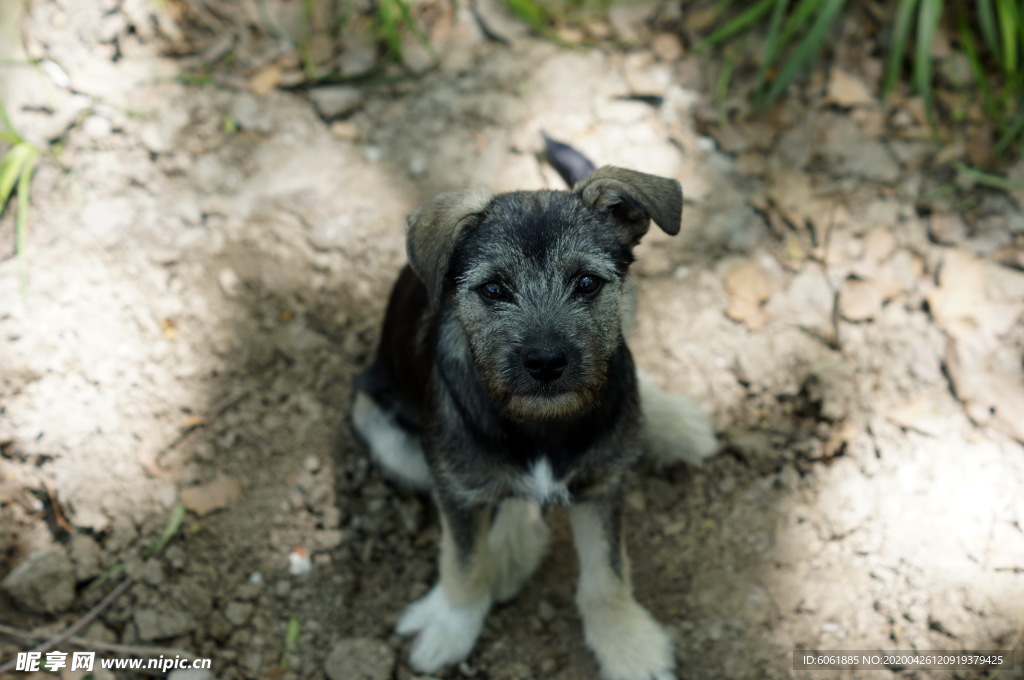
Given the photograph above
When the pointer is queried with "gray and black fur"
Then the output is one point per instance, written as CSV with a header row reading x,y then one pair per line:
x,y
503,382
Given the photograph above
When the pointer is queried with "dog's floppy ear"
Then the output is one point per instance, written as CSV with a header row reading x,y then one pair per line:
x,y
433,230
634,198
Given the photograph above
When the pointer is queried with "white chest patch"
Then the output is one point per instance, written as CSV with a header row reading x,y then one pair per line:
x,y
540,484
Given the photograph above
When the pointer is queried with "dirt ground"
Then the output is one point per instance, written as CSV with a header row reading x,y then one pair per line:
x,y
208,267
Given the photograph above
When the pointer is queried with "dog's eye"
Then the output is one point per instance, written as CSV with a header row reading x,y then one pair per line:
x,y
588,285
493,291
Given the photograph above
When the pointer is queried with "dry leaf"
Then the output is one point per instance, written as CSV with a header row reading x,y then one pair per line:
x,y
216,495
860,300
266,80
991,397
748,286
847,90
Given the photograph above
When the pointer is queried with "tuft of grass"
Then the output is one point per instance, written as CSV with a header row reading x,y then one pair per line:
x,y
989,34
17,165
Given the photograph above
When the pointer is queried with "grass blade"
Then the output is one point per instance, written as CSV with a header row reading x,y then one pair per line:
x,y
741,23
173,525
978,70
1009,18
987,22
28,167
928,16
773,46
291,636
900,31
10,169
807,50
801,15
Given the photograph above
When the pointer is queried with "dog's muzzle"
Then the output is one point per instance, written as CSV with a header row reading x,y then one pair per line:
x,y
545,365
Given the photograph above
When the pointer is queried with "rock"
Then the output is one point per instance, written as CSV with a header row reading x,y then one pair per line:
x,y
237,613
336,101
628,19
85,554
229,282
191,674
162,623
948,229
644,76
667,47
847,90
860,300
222,492
45,582
360,659
251,115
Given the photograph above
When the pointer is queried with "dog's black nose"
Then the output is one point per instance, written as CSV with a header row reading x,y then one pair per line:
x,y
545,364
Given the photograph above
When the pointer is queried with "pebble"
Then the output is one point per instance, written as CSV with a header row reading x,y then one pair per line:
x,y
45,582
162,623
337,100
238,613
360,658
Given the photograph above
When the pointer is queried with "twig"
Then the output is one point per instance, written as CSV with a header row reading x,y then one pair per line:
x,y
78,625
97,645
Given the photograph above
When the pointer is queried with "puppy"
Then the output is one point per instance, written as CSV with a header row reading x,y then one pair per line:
x,y
503,384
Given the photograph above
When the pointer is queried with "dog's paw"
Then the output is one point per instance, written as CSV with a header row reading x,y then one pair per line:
x,y
446,633
628,642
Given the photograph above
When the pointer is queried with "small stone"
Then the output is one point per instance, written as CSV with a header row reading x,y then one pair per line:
x,y
218,494
238,613
948,229
163,623
312,463
345,129
861,300
360,659
45,582
191,674
85,554
252,115
667,47
229,283
337,100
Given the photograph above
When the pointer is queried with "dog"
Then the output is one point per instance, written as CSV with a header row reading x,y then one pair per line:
x,y
503,384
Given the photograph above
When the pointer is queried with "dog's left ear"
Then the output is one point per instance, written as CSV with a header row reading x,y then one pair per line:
x,y
433,230
634,199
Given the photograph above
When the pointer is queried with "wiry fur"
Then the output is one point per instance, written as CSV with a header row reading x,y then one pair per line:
x,y
503,381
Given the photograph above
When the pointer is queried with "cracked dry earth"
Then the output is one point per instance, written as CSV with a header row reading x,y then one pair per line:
x,y
201,294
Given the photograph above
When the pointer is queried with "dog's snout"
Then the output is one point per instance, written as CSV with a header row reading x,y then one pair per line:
x,y
545,364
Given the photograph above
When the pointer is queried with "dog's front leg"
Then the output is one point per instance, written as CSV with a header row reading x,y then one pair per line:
x,y
628,642
449,618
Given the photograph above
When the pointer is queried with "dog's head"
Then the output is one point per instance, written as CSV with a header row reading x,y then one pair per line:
x,y
537,280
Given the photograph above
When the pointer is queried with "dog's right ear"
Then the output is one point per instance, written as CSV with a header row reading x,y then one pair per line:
x,y
433,230
634,199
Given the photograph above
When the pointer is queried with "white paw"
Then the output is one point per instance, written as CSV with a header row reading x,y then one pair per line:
x,y
446,633
628,642
518,541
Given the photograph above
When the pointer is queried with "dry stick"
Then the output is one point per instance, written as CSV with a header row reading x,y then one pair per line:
x,y
78,625
97,645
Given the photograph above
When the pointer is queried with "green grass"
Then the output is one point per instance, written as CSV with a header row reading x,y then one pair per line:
x,y
989,33
17,165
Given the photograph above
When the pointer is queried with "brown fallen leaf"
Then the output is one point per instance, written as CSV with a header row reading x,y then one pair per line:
x,y
266,80
748,286
221,493
991,397
845,89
